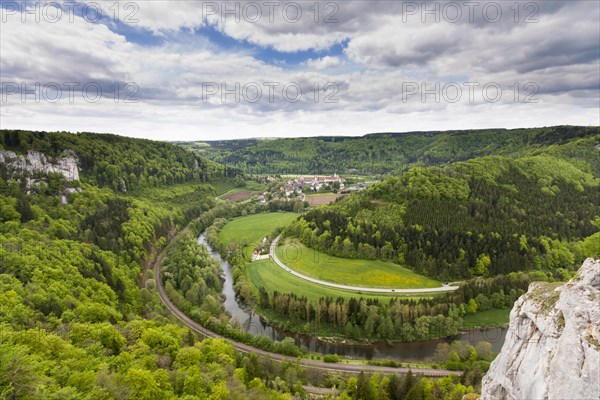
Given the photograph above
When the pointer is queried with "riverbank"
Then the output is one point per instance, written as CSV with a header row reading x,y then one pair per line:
x,y
487,319
331,339
397,351
308,363
328,334
402,352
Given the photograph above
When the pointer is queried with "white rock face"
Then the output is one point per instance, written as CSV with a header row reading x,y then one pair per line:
x,y
38,162
552,347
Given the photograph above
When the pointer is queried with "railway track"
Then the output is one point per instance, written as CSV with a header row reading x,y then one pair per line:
x,y
312,364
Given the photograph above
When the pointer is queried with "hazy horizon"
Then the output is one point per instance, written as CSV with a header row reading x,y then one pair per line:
x,y
192,139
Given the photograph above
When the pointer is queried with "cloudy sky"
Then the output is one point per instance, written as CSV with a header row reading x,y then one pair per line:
x,y
201,70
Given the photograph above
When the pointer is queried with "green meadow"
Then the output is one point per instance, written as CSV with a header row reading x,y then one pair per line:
x,y
265,273
351,272
251,229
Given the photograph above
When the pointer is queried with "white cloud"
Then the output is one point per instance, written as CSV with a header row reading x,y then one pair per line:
x,y
384,55
324,62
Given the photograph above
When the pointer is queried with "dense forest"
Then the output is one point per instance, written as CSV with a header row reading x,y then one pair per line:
x,y
380,153
119,162
78,318
483,217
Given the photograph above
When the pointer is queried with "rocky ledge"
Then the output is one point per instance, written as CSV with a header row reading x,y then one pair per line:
x,y
552,347
38,162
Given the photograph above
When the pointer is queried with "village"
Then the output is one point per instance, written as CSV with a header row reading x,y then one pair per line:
x,y
294,187
310,190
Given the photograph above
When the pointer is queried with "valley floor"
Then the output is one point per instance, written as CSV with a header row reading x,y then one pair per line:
x,y
279,263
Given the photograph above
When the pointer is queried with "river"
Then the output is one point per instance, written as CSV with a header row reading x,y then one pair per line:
x,y
399,351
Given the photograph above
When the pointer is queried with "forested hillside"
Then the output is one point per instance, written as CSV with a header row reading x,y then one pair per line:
x,y
486,216
79,316
381,152
76,319
119,162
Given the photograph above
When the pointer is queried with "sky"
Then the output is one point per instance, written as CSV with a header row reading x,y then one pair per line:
x,y
208,70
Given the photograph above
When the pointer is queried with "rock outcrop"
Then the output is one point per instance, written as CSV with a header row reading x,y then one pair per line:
x,y
38,162
552,347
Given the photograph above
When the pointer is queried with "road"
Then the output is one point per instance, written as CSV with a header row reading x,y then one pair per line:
x,y
313,364
445,288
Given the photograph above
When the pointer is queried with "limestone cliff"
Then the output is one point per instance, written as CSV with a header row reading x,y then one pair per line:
x,y
38,162
552,347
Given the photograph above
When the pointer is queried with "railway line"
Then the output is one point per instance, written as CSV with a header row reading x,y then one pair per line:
x,y
307,363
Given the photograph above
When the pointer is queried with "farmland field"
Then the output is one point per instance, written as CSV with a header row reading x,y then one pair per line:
x,y
237,195
252,228
222,187
265,273
352,272
321,198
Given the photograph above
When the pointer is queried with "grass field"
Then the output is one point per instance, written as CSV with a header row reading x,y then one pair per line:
x,y
487,318
223,187
227,187
365,273
252,228
268,275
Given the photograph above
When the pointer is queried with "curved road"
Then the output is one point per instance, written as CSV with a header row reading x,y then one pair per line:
x,y
444,288
313,364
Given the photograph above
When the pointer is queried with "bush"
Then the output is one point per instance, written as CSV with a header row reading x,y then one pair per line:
x,y
331,358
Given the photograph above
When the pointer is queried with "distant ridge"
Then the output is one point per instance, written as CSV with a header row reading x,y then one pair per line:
x,y
382,152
